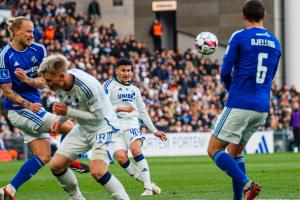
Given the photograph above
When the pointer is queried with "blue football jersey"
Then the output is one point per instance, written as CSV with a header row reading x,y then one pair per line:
x,y
249,66
28,60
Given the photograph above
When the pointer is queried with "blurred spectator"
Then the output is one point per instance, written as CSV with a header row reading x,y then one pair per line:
x,y
295,124
94,11
49,33
156,31
183,92
2,145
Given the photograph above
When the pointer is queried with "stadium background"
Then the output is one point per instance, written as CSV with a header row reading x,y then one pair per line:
x,y
183,91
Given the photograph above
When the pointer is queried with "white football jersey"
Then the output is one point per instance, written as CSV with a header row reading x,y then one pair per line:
x,y
88,95
128,95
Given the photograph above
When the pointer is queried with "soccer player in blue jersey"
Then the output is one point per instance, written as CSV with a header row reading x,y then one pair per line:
x,y
19,62
248,68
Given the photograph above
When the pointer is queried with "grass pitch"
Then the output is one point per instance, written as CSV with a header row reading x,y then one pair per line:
x,y
179,178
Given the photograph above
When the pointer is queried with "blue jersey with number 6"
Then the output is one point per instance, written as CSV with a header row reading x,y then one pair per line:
x,y
249,66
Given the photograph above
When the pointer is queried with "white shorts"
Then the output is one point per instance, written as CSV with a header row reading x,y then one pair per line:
x,y
126,137
79,141
32,125
238,125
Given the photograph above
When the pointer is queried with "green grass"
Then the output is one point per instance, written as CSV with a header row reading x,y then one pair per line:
x,y
178,177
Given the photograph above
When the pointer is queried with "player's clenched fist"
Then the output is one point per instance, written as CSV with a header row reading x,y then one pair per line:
x,y
21,74
60,108
35,107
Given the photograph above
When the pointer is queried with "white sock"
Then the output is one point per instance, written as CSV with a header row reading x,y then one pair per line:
x,y
68,182
11,189
115,187
133,171
143,168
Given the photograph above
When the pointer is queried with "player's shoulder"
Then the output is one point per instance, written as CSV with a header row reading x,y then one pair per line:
x,y
86,82
109,83
39,48
134,87
5,51
236,34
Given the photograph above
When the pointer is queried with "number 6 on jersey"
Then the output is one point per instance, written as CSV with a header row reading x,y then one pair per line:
x,y
261,70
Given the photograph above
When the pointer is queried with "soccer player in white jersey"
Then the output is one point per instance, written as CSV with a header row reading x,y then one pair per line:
x,y
82,98
127,101
19,62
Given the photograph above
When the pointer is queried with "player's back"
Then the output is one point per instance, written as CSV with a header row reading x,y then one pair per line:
x,y
257,56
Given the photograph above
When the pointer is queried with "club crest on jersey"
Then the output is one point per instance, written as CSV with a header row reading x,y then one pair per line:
x,y
33,59
73,102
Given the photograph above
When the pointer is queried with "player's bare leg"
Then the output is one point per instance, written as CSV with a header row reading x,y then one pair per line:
x,y
42,153
59,166
122,158
143,169
99,170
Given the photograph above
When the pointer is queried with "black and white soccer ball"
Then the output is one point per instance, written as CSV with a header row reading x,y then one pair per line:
x,y
206,43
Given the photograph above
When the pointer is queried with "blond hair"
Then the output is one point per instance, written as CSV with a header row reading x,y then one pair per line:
x,y
15,22
54,64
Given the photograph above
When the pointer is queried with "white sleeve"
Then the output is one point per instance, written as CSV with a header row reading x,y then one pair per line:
x,y
107,89
93,113
143,114
83,115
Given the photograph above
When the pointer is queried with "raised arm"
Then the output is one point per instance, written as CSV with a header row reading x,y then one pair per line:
x,y
17,99
38,82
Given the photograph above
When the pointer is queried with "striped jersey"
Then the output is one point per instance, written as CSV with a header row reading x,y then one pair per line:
x,y
29,60
87,94
128,95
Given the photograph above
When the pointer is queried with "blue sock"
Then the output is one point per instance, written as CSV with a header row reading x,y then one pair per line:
x,y
238,190
138,158
125,165
28,169
225,162
105,178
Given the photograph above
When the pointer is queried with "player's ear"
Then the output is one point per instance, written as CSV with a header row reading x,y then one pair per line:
x,y
61,76
243,17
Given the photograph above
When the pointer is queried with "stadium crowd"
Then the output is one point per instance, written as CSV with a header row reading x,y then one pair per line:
x,y
183,91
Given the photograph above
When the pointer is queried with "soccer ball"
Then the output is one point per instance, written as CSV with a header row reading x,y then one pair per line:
x,y
206,43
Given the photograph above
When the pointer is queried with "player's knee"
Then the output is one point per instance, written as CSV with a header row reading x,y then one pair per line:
x,y
56,168
45,158
211,152
98,171
121,157
136,151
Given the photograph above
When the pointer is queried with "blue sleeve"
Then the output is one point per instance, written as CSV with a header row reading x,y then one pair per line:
x,y
229,60
4,69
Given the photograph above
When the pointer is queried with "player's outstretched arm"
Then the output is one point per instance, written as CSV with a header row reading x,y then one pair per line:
x,y
64,110
144,116
38,82
161,135
17,99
